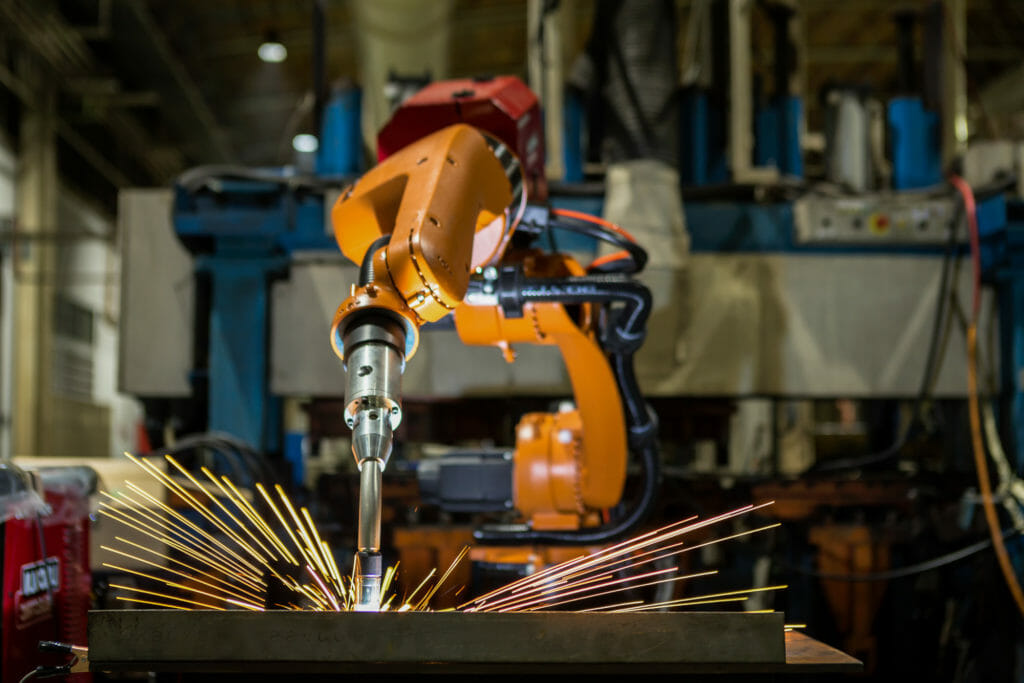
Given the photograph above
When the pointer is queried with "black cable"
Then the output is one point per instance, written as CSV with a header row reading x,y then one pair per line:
x,y
32,674
909,570
552,244
625,334
366,267
596,231
243,459
630,322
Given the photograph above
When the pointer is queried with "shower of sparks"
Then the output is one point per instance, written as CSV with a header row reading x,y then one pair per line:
x,y
618,570
222,554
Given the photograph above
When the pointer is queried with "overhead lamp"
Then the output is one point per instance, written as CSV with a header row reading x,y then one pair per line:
x,y
306,143
272,49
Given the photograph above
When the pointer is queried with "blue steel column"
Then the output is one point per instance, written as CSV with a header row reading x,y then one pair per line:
x,y
1011,328
239,401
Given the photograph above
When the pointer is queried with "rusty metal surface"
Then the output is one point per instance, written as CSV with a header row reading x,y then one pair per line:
x,y
317,642
807,655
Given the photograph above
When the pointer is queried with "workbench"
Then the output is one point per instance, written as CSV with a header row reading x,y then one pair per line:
x,y
726,644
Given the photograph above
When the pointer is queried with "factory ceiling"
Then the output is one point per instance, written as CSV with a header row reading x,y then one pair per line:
x,y
148,88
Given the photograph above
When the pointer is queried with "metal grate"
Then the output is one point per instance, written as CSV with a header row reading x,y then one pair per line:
x,y
72,369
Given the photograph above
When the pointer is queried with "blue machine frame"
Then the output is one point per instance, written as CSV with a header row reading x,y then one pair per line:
x,y
244,225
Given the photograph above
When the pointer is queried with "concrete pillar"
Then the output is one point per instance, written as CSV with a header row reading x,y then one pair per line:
x,y
954,111
547,57
34,262
406,37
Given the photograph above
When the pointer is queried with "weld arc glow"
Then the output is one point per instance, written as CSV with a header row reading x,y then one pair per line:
x,y
247,557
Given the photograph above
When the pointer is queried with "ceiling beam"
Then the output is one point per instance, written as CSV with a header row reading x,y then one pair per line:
x,y
87,151
68,57
212,130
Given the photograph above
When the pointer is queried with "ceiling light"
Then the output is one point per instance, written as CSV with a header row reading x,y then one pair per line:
x,y
304,142
272,50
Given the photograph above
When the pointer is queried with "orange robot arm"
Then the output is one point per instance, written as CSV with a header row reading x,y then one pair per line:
x,y
444,201
570,465
420,224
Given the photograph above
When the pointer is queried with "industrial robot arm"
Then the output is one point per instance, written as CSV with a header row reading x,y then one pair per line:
x,y
419,224
431,227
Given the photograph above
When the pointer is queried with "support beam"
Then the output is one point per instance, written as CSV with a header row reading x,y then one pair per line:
x,y
68,57
33,300
212,131
741,105
547,35
67,132
406,37
954,110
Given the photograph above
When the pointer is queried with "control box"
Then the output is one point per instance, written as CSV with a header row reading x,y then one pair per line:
x,y
877,219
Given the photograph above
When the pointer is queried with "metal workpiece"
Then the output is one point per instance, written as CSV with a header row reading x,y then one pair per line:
x,y
332,642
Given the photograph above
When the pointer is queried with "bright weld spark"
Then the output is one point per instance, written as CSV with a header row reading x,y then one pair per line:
x,y
613,608
323,588
202,509
231,588
307,549
243,527
194,543
254,516
576,569
233,570
172,571
586,587
165,596
251,568
142,528
158,604
185,589
280,517
622,589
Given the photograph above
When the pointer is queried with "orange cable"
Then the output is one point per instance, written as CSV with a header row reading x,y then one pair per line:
x,y
977,445
608,258
982,466
589,218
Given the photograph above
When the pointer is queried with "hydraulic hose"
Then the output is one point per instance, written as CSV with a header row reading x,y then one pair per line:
x,y
366,267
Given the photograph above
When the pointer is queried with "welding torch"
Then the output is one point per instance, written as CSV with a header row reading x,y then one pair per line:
x,y
374,346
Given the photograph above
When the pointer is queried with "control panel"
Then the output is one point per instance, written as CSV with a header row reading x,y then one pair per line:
x,y
881,219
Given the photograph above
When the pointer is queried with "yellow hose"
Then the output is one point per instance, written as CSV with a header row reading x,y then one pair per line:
x,y
981,465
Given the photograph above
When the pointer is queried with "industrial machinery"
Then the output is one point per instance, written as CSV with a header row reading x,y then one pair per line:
x,y
44,539
799,287
441,227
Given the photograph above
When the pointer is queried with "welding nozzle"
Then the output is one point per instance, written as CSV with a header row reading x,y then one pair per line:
x,y
374,361
367,572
